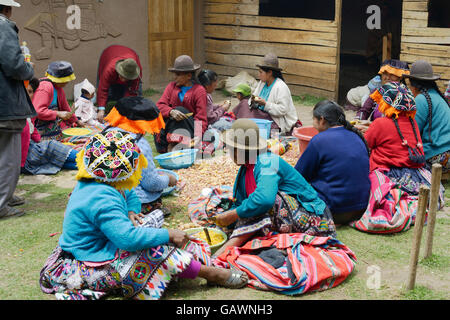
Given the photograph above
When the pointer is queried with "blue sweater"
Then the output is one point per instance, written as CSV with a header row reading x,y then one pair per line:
x,y
440,133
336,164
96,224
273,174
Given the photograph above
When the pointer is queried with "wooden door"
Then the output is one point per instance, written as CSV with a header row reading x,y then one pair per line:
x,y
171,34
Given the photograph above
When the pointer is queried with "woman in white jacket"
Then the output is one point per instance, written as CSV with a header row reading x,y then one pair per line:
x,y
273,96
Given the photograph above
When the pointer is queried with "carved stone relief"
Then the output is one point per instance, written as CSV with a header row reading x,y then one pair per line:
x,y
52,25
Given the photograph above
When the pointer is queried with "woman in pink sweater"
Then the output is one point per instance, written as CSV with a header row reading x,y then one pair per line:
x,y
49,100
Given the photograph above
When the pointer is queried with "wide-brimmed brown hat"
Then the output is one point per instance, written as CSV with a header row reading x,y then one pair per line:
x,y
244,135
184,63
128,68
270,61
422,70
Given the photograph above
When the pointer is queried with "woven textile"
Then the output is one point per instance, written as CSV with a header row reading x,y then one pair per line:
x,y
311,263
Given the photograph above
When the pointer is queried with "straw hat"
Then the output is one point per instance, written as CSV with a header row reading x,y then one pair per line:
x,y
184,63
9,3
244,135
128,69
422,70
60,72
270,61
113,158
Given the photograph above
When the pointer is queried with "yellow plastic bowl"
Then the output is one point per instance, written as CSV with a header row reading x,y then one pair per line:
x,y
218,237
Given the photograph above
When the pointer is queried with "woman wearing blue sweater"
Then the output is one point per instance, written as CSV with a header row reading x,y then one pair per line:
x,y
432,116
270,194
138,116
336,163
102,250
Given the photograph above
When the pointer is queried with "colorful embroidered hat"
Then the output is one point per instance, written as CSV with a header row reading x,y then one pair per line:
x,y
136,114
396,67
60,72
393,99
112,157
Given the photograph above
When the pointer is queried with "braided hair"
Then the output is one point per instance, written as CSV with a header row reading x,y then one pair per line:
x,y
423,86
335,116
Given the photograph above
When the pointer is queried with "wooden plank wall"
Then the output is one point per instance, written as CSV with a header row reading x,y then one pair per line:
x,y
237,38
420,42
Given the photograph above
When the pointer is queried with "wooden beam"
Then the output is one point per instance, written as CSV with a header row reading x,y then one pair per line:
x,y
429,40
328,39
282,50
303,68
338,21
415,6
232,8
271,22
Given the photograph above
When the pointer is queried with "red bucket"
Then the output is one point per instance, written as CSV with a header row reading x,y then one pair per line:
x,y
304,135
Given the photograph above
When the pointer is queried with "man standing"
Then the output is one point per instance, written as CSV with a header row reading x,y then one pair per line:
x,y
119,75
15,108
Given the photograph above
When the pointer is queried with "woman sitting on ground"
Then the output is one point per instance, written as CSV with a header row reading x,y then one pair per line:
x,y
390,70
396,162
214,112
273,96
139,116
43,157
433,114
183,102
102,249
336,163
49,100
270,194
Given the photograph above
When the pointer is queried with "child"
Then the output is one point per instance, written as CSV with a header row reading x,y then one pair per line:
x,y
243,110
84,108
43,157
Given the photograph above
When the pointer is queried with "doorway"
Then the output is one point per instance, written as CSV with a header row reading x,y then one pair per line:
x,y
361,50
171,34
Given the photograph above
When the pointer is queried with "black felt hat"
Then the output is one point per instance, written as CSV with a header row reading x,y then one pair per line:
x,y
136,114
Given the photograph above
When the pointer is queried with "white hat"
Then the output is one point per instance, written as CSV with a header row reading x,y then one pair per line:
x,y
87,86
9,3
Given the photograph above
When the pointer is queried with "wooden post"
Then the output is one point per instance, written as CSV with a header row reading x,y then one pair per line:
x,y
418,226
436,174
387,46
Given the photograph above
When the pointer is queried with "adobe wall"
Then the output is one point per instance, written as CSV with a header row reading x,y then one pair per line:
x,y
103,23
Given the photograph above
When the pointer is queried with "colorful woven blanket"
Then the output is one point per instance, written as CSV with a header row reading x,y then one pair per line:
x,y
390,209
311,263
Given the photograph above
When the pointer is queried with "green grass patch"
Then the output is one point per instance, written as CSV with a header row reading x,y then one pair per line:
x,y
423,293
150,92
307,99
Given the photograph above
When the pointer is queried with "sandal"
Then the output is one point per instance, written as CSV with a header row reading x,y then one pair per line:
x,y
238,279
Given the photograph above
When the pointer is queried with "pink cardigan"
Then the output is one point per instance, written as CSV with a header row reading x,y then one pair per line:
x,y
42,99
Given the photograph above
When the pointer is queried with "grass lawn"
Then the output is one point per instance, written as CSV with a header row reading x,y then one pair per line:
x,y
26,242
